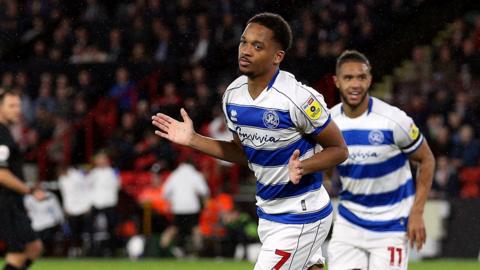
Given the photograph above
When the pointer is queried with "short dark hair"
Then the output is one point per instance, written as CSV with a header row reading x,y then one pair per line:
x,y
4,92
282,33
352,56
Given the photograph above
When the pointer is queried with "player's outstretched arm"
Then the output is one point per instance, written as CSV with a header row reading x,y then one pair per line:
x,y
426,165
184,134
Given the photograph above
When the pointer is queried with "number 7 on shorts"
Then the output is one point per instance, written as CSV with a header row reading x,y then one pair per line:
x,y
285,255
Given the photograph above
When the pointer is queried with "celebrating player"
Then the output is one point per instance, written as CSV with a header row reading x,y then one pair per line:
x,y
282,131
381,205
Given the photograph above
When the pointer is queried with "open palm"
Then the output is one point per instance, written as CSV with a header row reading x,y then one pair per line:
x,y
173,130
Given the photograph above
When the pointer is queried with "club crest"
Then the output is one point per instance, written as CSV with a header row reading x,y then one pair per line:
x,y
270,119
376,137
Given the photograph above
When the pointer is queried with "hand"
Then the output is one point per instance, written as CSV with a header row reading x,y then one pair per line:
x,y
173,130
416,232
39,194
295,167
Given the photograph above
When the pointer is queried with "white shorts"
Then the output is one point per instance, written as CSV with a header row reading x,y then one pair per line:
x,y
353,247
290,246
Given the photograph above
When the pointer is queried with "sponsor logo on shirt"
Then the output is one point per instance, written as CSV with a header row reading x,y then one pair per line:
x,y
255,138
312,108
362,156
376,137
271,119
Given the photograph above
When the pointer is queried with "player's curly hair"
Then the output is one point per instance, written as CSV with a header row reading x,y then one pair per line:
x,y
352,56
282,33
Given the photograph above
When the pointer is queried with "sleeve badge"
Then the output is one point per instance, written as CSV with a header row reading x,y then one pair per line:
x,y
413,132
312,108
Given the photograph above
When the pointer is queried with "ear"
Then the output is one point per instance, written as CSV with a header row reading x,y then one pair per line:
x,y
335,80
278,58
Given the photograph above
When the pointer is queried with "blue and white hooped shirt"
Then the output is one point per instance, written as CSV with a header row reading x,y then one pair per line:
x,y
284,117
377,186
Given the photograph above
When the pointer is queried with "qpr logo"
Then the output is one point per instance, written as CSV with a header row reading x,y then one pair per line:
x,y
375,137
270,119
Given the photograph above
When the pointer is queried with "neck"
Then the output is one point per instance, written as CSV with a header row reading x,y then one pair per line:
x,y
356,111
257,84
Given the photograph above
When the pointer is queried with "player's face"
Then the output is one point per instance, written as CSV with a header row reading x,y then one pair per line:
x,y
258,52
10,109
353,80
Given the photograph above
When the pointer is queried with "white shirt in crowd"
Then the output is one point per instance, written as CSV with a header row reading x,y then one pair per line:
x,y
105,185
44,214
183,189
75,192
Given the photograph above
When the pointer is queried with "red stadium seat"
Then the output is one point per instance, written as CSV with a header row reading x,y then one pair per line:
x,y
470,178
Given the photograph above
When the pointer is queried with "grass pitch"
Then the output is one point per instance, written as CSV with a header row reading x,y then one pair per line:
x,y
168,264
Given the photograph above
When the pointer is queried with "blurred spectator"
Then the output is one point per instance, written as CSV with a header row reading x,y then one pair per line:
x,y
9,19
105,185
7,80
184,189
122,89
466,150
444,66
122,143
47,218
38,27
139,54
226,37
205,100
170,101
59,141
442,142
164,51
138,31
445,181
87,88
115,48
45,99
202,48
154,151
77,203
63,92
22,87
94,12
43,123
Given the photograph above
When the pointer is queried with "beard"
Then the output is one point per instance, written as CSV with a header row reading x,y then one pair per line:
x,y
355,105
250,74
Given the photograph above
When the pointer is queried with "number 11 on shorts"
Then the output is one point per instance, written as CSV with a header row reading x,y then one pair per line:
x,y
392,255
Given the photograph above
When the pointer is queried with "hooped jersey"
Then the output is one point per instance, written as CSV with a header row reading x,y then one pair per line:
x,y
377,186
284,117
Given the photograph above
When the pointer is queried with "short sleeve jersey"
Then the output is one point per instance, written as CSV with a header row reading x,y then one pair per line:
x,y
284,117
378,189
